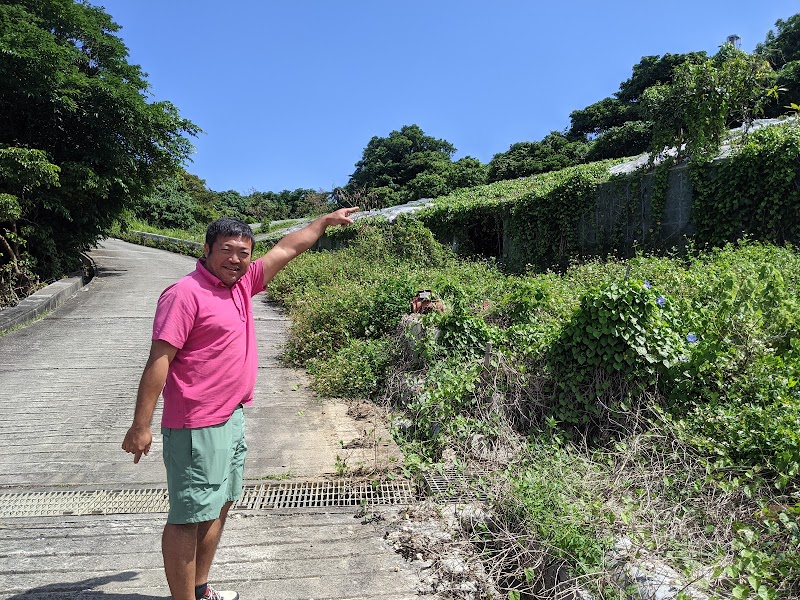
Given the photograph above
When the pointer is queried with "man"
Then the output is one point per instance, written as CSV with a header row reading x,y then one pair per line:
x,y
203,357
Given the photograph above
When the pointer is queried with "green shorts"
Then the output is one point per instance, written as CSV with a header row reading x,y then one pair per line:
x,y
205,467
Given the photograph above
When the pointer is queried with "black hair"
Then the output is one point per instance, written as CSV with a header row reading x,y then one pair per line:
x,y
228,228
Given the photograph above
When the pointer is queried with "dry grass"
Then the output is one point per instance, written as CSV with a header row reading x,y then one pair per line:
x,y
649,498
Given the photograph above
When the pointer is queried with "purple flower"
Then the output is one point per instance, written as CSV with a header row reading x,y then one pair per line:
x,y
660,301
647,285
692,338
683,358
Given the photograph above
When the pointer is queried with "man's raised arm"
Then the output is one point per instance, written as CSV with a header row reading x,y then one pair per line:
x,y
298,242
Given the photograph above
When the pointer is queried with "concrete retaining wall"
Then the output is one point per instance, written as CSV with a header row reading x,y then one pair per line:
x,y
46,299
191,246
623,216
621,220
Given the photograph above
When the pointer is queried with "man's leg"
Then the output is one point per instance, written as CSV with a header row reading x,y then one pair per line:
x,y
210,532
179,548
189,549
208,536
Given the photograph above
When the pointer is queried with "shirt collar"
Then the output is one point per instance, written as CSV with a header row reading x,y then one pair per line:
x,y
208,275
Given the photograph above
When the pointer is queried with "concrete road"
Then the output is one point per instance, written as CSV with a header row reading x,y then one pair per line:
x,y
67,389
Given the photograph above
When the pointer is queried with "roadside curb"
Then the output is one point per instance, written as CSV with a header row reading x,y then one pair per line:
x,y
48,298
193,246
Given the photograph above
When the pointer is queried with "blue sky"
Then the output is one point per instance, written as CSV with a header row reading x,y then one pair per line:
x,y
290,92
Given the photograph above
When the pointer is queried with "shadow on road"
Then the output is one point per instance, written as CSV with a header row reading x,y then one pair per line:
x,y
85,590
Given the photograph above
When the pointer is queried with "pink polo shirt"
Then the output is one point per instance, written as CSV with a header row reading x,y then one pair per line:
x,y
214,370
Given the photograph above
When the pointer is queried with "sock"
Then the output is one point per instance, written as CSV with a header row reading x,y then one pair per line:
x,y
200,591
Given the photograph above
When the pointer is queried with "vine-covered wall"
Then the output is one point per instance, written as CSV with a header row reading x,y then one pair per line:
x,y
549,220
626,217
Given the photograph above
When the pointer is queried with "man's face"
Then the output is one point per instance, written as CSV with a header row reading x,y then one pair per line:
x,y
229,258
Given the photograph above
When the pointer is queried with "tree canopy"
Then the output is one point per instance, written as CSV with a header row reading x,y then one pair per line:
x,y
408,165
554,152
782,49
706,99
783,46
72,107
183,201
618,125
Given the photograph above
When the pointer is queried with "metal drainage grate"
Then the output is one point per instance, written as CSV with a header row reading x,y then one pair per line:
x,y
318,494
450,485
84,502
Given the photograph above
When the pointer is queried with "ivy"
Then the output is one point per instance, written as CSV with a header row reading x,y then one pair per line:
x,y
618,344
535,218
754,192
658,197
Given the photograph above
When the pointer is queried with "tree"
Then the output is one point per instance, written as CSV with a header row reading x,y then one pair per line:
x,y
314,203
197,189
782,50
788,88
629,139
180,201
394,162
619,125
654,70
598,117
706,99
263,207
68,92
555,151
22,173
784,46
232,204
467,172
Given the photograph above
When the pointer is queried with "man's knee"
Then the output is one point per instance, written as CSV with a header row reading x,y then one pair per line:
x,y
180,530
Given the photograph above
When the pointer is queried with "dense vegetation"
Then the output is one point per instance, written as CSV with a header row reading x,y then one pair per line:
x,y
653,400
408,165
642,409
650,404
183,201
79,137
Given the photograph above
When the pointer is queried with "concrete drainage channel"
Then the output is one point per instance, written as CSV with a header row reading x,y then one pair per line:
x,y
265,496
446,486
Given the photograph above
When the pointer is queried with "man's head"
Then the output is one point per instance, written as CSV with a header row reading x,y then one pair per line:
x,y
228,249
227,227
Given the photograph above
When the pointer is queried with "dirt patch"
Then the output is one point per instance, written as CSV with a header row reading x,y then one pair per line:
x,y
362,410
369,450
432,537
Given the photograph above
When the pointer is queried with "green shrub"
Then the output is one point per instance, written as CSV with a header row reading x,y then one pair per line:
x,y
440,413
389,300
357,370
460,332
325,319
766,563
738,394
620,342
